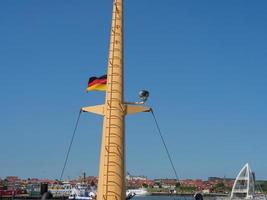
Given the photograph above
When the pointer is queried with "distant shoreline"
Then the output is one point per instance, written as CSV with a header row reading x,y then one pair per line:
x,y
187,194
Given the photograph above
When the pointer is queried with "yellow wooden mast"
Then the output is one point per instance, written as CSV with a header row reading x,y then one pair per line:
x,y
111,180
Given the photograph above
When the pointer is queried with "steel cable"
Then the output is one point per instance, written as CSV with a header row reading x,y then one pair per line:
x,y
164,144
69,148
166,148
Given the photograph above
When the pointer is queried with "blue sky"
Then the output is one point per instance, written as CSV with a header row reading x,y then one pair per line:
x,y
204,63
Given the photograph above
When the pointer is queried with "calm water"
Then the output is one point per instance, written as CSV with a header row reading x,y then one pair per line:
x,y
170,198
165,198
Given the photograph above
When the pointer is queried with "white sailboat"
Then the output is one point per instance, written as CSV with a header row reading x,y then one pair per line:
x,y
137,192
244,186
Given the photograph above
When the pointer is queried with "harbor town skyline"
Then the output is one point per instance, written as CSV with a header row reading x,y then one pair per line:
x,y
208,185
206,59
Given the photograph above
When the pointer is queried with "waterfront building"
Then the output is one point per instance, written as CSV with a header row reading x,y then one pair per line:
x,y
130,177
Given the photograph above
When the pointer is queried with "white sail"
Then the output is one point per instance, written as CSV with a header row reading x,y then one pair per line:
x,y
244,185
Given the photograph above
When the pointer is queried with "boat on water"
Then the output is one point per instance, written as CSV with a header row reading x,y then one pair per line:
x,y
83,191
137,192
60,189
244,187
86,192
12,192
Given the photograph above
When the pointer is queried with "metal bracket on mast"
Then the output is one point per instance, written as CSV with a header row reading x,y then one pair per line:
x,y
130,109
127,107
98,109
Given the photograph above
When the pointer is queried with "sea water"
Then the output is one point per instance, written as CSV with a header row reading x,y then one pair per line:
x,y
170,198
163,198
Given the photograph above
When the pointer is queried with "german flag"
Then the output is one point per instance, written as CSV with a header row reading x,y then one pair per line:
x,y
97,83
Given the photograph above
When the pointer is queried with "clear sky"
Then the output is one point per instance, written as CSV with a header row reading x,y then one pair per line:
x,y
204,63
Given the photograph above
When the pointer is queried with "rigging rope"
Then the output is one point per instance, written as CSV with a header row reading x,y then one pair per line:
x,y
159,131
166,149
258,185
164,144
71,141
